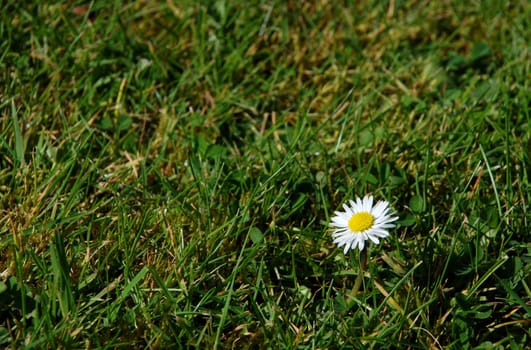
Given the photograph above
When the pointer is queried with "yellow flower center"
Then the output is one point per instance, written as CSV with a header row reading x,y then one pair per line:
x,y
360,221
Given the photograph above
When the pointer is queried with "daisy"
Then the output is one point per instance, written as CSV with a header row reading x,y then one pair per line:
x,y
362,221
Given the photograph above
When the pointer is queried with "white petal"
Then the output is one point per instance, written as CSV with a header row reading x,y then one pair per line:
x,y
380,233
374,239
345,251
347,209
394,218
368,203
339,222
379,208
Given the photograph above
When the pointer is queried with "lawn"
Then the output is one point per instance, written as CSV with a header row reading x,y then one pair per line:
x,y
169,171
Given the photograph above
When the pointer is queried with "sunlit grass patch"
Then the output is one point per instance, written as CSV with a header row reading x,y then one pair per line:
x,y
169,173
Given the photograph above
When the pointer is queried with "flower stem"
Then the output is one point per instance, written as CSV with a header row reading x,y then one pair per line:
x,y
359,278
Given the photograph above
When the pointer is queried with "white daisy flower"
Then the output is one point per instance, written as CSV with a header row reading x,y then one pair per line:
x,y
362,221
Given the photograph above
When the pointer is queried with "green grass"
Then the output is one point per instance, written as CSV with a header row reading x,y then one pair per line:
x,y
168,171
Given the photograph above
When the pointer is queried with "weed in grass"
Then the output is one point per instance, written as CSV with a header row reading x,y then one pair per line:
x,y
168,170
